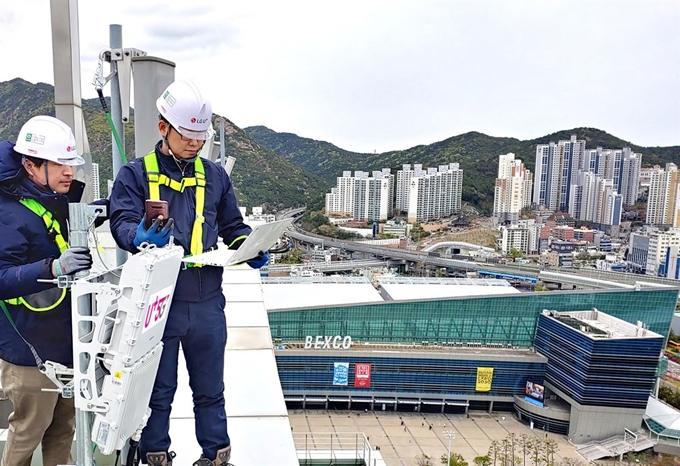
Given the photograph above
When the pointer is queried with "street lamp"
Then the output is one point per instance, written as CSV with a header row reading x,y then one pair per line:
x,y
449,434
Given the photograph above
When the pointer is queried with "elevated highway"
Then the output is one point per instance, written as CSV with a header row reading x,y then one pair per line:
x,y
326,267
589,278
458,245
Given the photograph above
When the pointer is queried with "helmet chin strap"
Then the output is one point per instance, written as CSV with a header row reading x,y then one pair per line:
x,y
34,178
47,180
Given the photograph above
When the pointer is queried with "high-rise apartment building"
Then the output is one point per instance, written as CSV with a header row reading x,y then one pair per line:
x,y
364,196
546,180
663,201
403,188
572,162
373,195
512,191
557,167
630,177
340,201
594,199
436,193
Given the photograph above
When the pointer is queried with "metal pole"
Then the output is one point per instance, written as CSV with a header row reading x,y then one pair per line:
x,y
78,228
116,44
448,461
67,95
449,434
223,158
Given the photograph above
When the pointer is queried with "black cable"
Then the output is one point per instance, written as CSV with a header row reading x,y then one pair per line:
x,y
117,458
103,367
131,460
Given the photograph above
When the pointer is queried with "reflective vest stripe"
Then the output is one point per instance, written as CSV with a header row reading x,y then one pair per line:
x,y
197,231
52,225
54,229
155,179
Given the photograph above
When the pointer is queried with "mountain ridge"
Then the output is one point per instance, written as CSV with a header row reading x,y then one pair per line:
x,y
283,169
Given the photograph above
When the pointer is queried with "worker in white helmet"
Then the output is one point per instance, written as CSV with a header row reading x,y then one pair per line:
x,y
36,184
202,208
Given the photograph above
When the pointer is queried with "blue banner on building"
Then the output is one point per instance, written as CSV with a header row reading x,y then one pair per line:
x,y
341,373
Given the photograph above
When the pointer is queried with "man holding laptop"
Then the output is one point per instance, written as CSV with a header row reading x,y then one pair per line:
x,y
172,192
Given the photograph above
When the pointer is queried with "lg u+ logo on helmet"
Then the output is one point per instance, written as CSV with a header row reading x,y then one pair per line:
x,y
200,121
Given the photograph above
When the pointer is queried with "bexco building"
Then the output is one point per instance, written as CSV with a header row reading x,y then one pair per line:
x,y
577,363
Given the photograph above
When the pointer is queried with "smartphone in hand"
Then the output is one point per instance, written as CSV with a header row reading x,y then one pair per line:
x,y
153,210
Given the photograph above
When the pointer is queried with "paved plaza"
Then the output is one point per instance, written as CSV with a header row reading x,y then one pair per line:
x,y
400,444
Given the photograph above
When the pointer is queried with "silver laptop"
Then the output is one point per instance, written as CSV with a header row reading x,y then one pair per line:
x,y
261,238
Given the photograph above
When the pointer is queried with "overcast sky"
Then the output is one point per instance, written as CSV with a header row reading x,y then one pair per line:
x,y
379,75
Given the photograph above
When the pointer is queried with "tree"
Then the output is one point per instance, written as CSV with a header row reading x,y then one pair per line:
x,y
293,257
423,460
456,460
515,254
571,462
525,444
482,460
536,452
674,337
526,213
550,449
494,450
418,233
583,256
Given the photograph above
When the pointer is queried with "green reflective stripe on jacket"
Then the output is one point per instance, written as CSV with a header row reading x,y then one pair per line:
x,y
36,302
156,179
52,225
39,298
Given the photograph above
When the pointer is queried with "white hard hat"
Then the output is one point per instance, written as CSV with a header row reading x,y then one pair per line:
x,y
183,105
45,137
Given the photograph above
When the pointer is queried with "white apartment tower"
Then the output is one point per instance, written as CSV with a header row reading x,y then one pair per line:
x,y
630,177
622,166
340,201
373,196
362,196
513,188
663,202
594,199
436,193
403,188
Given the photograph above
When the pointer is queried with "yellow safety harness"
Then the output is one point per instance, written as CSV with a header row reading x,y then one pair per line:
x,y
156,179
54,230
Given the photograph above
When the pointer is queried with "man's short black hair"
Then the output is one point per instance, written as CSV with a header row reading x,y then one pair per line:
x,y
38,162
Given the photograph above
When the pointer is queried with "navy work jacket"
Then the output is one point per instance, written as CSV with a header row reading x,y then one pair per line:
x,y
222,217
26,255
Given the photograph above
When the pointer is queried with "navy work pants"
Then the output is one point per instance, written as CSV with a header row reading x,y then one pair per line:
x,y
201,329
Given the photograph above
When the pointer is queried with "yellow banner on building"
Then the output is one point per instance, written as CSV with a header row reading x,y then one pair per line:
x,y
484,378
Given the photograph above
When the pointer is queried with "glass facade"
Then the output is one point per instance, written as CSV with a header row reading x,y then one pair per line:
x,y
500,320
420,377
491,322
617,372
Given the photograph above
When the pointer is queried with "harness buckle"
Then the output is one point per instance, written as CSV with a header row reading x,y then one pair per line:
x,y
200,218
